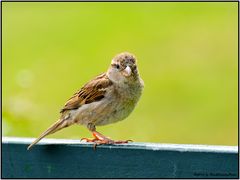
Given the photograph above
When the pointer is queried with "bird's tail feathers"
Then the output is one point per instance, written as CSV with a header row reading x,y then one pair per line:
x,y
61,123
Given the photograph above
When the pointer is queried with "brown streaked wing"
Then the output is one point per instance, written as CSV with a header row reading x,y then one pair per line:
x,y
92,91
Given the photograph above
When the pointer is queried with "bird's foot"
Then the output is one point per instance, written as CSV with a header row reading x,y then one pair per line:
x,y
104,140
101,139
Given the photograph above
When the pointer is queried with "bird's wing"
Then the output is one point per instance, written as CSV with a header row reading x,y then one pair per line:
x,y
92,91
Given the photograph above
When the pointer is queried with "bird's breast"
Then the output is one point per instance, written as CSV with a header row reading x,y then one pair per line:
x,y
122,101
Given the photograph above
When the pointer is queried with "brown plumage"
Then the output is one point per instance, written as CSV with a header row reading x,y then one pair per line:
x,y
92,91
108,98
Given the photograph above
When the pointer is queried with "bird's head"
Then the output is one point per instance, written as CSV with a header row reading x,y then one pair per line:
x,y
123,68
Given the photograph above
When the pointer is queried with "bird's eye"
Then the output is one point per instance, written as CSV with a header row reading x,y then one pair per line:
x,y
117,66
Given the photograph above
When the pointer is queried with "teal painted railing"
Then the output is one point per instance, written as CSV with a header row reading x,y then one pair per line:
x,y
55,158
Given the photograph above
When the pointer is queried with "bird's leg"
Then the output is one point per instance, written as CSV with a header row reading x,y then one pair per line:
x,y
101,138
98,138
91,127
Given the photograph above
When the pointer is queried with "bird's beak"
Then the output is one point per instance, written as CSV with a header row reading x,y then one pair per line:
x,y
127,71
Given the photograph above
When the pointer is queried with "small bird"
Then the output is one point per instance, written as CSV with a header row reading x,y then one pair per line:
x,y
108,98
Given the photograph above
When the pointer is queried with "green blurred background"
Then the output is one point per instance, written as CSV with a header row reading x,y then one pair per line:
x,y
187,56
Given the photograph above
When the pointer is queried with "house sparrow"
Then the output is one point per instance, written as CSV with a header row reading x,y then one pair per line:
x,y
108,98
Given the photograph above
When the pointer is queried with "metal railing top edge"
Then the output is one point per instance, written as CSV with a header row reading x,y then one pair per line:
x,y
132,145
